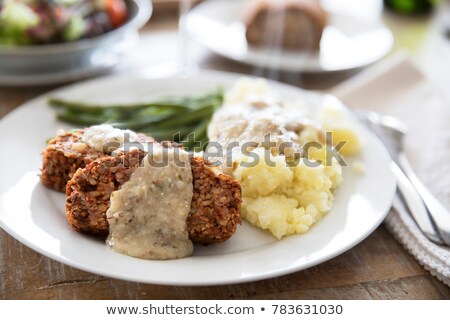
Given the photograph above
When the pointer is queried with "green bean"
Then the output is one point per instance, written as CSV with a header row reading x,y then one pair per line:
x,y
142,122
200,129
189,117
80,119
183,119
172,134
199,137
197,145
179,103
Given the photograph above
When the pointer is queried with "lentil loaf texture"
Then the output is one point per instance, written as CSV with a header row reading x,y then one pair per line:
x,y
215,208
216,204
65,154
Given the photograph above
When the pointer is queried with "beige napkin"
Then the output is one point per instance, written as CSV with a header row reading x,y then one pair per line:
x,y
397,87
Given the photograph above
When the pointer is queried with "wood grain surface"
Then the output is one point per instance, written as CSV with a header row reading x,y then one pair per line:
x,y
377,268
169,5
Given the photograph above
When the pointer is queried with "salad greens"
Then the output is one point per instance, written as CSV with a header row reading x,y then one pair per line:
x,y
29,22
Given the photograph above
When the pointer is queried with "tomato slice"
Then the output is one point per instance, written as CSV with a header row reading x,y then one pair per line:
x,y
116,11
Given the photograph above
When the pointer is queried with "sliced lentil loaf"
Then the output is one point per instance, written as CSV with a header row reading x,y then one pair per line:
x,y
65,154
216,204
215,208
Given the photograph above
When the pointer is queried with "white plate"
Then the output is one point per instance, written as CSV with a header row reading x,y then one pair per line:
x,y
347,42
35,215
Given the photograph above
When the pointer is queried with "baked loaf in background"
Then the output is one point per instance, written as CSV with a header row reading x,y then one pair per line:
x,y
290,24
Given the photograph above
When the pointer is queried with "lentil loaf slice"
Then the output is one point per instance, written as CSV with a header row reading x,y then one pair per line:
x,y
215,208
216,204
65,154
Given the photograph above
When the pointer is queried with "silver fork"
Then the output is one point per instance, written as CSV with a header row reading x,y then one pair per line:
x,y
415,194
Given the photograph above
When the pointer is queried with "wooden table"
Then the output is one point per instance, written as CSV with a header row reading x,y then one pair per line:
x,y
377,268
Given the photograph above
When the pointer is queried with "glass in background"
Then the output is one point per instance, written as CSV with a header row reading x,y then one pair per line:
x,y
186,64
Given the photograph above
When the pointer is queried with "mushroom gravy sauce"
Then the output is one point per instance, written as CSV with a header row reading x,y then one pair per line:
x,y
147,216
101,136
253,116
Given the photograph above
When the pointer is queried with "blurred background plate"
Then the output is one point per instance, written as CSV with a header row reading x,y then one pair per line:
x,y
63,62
347,42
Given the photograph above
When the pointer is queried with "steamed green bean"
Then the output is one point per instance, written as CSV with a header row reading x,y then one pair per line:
x,y
183,119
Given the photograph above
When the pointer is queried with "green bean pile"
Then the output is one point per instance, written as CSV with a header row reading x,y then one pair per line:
x,y
180,119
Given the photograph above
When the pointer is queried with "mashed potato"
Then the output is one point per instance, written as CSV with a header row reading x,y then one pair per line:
x,y
282,198
286,199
